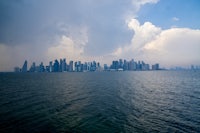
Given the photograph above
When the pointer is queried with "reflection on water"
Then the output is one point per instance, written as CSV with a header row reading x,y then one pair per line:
x,y
160,101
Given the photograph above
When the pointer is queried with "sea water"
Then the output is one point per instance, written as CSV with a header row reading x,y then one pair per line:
x,y
131,101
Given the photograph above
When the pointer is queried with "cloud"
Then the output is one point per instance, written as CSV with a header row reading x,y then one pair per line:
x,y
69,46
73,49
143,2
177,46
175,19
138,3
142,35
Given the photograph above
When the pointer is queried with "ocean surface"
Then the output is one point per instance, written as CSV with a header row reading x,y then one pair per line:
x,y
138,101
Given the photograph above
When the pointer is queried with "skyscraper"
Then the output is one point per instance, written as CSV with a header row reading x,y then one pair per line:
x,y
42,69
17,69
50,66
71,66
61,66
33,67
125,65
64,65
120,63
56,66
25,66
105,66
155,66
115,65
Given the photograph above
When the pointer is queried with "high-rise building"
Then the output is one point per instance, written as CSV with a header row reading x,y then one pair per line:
x,y
139,65
115,65
56,66
25,66
85,67
47,69
71,66
125,65
33,67
105,67
61,66
64,65
42,69
146,66
77,66
51,66
155,66
132,65
17,69
120,63
98,68
93,66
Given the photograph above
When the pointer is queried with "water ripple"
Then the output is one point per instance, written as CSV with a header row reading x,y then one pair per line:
x,y
160,101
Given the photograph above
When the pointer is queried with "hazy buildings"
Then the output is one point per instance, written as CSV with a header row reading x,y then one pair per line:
x,y
78,66
120,65
17,69
56,66
41,67
155,67
25,66
33,67
105,67
50,66
71,68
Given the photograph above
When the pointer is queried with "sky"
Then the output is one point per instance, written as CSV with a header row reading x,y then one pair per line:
x,y
155,31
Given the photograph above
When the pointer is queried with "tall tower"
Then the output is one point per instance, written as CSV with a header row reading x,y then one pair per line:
x,y
71,66
25,66
50,66
33,67
56,66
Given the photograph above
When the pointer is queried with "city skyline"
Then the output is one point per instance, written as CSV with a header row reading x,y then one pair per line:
x,y
78,66
164,31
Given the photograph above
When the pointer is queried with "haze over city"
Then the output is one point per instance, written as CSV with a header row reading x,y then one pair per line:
x,y
155,31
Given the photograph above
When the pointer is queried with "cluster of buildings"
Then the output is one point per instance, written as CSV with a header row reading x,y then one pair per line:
x,y
195,67
60,66
192,67
63,66
124,65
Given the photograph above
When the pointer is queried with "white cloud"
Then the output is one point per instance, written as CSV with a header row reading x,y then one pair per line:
x,y
136,5
139,3
142,35
66,48
69,46
142,2
175,46
72,50
175,19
